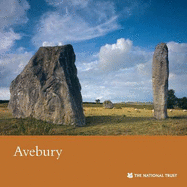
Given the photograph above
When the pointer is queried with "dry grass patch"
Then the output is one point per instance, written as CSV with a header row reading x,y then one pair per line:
x,y
131,120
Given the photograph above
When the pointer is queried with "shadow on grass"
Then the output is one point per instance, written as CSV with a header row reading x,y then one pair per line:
x,y
97,120
178,117
107,125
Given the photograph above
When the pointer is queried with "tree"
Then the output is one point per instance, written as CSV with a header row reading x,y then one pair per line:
x,y
182,103
97,101
172,99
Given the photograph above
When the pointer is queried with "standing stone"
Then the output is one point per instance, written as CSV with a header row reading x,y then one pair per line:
x,y
108,104
160,73
48,88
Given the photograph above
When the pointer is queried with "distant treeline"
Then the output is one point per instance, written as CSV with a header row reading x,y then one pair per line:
x,y
90,103
4,101
174,102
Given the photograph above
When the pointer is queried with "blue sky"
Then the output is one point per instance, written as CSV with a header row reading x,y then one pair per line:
x,y
114,42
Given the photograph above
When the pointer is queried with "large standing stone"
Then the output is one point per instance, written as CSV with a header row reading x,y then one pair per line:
x,y
160,73
48,88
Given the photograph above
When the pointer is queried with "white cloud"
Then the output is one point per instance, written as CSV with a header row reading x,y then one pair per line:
x,y
7,40
172,76
118,86
71,23
177,47
88,66
79,3
11,65
4,93
145,68
178,68
179,84
122,80
177,57
45,44
13,12
121,55
111,74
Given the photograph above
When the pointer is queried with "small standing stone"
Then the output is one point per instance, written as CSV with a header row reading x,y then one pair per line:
x,y
160,74
108,104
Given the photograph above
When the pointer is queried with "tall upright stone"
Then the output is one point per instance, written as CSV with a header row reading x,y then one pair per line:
x,y
160,74
48,88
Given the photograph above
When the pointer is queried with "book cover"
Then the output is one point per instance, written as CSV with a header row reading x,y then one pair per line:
x,y
93,93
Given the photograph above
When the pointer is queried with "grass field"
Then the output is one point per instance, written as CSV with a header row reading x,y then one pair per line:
x,y
124,119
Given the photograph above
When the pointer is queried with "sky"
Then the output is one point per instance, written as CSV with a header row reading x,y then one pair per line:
x,y
114,42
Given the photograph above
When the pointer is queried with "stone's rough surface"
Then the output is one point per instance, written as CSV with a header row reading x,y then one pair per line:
x,y
108,104
48,88
160,73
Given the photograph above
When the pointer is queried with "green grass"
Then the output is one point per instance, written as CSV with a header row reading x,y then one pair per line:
x,y
122,120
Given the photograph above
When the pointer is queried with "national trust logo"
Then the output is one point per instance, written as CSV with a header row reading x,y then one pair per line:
x,y
130,175
151,175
